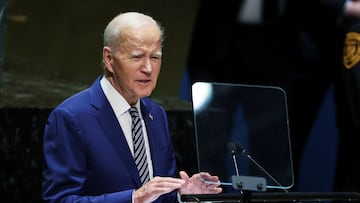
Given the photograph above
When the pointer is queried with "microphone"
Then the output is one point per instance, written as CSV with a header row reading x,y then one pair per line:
x,y
233,149
237,147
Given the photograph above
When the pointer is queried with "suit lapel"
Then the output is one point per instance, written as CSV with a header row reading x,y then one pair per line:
x,y
149,123
107,119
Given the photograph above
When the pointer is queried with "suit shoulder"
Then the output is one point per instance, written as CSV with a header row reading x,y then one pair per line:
x,y
76,101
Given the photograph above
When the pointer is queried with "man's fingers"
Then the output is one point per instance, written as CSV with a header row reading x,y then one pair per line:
x,y
166,183
156,187
184,175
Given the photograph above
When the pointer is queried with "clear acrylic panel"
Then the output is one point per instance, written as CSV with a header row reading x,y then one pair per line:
x,y
255,117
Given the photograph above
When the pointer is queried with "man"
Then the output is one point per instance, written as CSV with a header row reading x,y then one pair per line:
x,y
88,146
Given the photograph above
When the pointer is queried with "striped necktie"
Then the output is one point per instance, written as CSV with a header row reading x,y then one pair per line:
x,y
139,146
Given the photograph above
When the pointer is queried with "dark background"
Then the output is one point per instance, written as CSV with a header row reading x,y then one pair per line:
x,y
53,49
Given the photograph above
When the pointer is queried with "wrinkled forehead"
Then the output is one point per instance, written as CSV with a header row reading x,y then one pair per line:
x,y
146,33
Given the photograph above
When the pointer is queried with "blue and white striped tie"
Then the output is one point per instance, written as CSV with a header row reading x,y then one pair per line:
x,y
139,146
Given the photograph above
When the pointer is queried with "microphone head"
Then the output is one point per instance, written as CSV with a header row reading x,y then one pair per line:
x,y
235,147
231,147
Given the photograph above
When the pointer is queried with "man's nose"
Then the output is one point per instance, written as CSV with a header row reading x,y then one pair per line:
x,y
147,66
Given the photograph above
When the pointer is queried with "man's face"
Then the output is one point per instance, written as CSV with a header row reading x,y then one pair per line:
x,y
135,63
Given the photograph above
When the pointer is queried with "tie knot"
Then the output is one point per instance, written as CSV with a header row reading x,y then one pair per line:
x,y
134,112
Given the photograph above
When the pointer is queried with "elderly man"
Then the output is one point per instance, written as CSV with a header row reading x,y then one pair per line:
x,y
110,143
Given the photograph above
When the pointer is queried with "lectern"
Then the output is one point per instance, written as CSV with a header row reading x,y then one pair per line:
x,y
242,136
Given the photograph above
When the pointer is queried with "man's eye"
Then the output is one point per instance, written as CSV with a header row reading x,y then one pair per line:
x,y
156,57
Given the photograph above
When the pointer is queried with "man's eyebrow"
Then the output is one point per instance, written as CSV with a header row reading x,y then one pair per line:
x,y
158,53
136,52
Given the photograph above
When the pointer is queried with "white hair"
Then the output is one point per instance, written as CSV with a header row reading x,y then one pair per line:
x,y
117,24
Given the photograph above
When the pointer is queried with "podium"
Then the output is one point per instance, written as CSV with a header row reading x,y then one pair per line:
x,y
253,120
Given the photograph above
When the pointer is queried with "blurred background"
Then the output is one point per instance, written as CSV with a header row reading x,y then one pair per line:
x,y
54,48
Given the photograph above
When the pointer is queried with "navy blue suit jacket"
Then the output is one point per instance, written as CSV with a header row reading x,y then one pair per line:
x,y
87,158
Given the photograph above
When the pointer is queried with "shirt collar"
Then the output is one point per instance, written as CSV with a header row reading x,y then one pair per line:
x,y
116,100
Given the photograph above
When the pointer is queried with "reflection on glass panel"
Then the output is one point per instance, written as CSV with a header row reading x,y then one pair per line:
x,y
254,116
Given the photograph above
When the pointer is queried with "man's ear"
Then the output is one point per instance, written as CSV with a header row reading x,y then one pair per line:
x,y
107,59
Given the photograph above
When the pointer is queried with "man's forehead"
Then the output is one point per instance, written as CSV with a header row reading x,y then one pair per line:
x,y
138,37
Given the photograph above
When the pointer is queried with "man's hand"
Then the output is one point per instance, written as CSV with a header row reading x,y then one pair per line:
x,y
155,187
200,183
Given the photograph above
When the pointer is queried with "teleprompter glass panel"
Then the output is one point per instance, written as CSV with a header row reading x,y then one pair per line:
x,y
254,118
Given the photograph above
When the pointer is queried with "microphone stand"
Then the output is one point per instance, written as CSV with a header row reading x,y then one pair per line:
x,y
246,184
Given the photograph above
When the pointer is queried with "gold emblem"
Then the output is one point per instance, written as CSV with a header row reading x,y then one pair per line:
x,y
352,49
